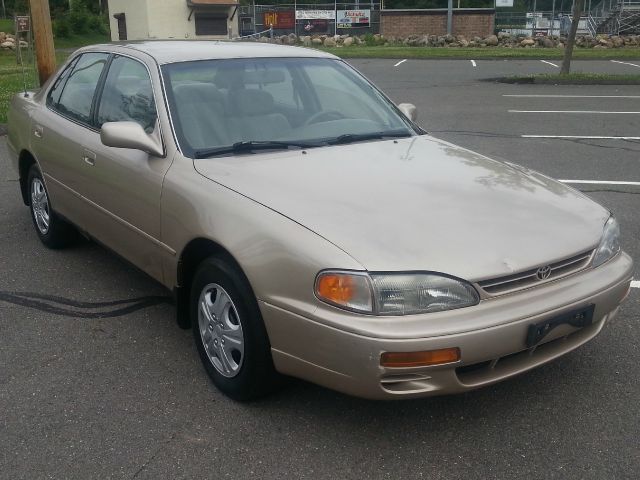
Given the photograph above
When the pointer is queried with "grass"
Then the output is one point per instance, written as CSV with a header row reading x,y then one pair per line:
x,y
575,79
77,41
6,25
478,53
11,73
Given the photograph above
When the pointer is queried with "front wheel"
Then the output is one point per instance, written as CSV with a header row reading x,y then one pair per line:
x,y
52,230
229,332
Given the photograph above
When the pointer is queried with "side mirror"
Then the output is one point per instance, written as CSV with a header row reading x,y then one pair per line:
x,y
409,110
130,135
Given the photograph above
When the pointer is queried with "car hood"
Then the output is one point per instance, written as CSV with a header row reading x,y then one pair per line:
x,y
419,204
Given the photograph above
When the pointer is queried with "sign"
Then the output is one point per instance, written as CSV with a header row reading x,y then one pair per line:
x,y
23,24
316,26
282,19
353,18
504,3
315,14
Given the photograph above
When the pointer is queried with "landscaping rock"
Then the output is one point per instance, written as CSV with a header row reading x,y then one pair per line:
x,y
329,42
491,41
527,42
547,43
347,42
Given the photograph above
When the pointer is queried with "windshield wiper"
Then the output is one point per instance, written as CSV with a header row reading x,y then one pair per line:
x,y
361,137
251,146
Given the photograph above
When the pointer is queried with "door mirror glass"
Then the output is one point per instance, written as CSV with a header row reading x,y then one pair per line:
x,y
409,110
130,135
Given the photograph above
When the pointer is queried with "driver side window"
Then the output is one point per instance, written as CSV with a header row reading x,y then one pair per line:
x,y
128,95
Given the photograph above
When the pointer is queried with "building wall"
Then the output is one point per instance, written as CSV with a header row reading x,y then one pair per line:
x,y
136,16
472,22
160,20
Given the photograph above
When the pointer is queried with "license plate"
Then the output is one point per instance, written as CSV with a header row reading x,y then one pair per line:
x,y
578,318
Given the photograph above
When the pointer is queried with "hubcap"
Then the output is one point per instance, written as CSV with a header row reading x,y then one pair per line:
x,y
40,205
220,330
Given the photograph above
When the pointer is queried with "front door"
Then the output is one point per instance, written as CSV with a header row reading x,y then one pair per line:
x,y
125,185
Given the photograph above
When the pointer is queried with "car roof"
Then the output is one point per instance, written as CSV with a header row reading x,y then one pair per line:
x,y
172,51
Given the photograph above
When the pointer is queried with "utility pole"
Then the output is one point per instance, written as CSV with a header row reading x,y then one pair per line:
x,y
43,36
450,17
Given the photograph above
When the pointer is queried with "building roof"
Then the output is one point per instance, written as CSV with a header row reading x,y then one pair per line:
x,y
172,51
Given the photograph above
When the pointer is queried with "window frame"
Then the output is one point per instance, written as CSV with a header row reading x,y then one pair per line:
x,y
72,64
95,108
100,87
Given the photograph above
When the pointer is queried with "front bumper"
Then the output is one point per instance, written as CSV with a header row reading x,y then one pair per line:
x,y
492,351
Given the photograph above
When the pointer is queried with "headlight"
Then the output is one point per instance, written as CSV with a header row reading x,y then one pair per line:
x,y
394,294
610,243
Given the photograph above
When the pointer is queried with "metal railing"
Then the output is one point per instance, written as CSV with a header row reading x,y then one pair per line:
x,y
615,17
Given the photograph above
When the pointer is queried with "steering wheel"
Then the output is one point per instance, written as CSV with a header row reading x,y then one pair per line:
x,y
324,116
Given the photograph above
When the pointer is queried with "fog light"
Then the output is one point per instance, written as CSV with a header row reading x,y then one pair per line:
x,y
420,359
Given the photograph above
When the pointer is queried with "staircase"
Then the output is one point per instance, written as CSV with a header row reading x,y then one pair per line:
x,y
615,17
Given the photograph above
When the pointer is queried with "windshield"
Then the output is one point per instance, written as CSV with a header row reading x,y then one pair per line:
x,y
217,105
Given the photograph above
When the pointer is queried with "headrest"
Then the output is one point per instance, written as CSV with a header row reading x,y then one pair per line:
x,y
196,93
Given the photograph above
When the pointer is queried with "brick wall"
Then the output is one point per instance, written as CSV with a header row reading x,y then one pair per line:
x,y
470,22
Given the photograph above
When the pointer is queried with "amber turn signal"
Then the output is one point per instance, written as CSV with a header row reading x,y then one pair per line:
x,y
345,289
420,359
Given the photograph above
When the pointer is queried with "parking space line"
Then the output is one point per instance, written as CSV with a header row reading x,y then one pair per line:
x,y
550,63
572,96
400,62
626,63
601,182
581,137
573,111
473,62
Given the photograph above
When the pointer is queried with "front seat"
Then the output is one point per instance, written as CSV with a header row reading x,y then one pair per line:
x,y
253,111
201,111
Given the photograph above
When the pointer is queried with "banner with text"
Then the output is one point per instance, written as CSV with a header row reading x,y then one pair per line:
x,y
282,19
315,14
353,18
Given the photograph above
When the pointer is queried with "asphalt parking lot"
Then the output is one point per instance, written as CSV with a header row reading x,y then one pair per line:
x,y
97,381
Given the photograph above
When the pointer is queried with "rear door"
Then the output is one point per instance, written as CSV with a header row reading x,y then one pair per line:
x,y
60,129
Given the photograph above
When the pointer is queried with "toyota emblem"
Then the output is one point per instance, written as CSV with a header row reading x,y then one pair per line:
x,y
543,273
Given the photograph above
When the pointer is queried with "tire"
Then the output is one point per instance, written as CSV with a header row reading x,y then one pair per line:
x,y
229,332
52,230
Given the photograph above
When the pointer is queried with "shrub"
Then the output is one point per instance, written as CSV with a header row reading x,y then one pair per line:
x,y
98,24
79,20
61,28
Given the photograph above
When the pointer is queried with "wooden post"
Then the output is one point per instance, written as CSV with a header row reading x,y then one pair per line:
x,y
43,35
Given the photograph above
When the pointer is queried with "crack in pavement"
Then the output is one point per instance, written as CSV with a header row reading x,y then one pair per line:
x,y
58,305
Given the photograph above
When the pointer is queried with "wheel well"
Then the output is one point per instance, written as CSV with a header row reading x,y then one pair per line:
x,y
192,256
24,164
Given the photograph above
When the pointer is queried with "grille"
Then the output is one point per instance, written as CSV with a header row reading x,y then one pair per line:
x,y
529,278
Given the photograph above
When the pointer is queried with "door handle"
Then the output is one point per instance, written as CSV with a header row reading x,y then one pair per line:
x,y
38,131
89,157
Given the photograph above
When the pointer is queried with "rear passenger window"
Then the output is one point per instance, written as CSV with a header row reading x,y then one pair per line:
x,y
54,94
127,95
79,89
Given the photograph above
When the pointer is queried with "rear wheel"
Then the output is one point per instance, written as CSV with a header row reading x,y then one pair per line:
x,y
229,332
52,230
